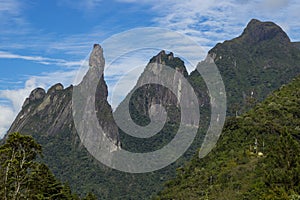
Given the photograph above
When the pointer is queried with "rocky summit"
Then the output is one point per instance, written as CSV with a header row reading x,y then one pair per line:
x,y
54,108
255,63
257,31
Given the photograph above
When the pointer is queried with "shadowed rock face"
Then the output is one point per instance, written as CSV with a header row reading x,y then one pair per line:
x,y
150,94
49,111
54,88
52,111
95,77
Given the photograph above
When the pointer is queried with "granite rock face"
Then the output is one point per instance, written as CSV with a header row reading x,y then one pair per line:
x,y
93,89
51,111
48,117
161,68
54,108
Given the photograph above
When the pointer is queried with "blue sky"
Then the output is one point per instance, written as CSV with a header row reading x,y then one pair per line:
x,y
45,42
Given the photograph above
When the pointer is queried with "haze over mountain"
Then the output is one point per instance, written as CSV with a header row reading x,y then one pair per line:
x,y
252,65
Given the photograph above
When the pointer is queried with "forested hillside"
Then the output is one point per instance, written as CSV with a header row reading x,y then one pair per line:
x,y
257,156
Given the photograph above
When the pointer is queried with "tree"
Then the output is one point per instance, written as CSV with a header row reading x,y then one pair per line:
x,y
283,169
22,177
43,185
90,196
17,158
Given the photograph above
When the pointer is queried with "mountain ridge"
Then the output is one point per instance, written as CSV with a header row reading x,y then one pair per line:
x,y
250,70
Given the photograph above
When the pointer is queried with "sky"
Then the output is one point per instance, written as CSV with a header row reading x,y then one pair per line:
x,y
46,42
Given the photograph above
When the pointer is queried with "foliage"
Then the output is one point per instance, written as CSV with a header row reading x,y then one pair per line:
x,y
234,171
22,177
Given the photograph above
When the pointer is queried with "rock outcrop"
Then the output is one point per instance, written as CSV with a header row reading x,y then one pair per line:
x,y
54,108
162,67
257,31
48,117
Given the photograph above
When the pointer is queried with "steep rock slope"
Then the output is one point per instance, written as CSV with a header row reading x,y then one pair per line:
x,y
47,116
51,112
160,83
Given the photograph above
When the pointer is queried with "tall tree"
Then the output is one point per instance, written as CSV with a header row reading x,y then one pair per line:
x,y
22,177
17,158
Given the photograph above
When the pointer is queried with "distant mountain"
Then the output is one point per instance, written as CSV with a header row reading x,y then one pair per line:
x,y
252,65
257,156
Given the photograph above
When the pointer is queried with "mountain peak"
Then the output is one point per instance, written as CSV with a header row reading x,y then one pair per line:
x,y
96,58
162,57
169,60
37,94
257,31
54,88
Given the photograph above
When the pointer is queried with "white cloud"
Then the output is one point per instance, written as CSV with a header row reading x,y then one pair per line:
x,y
40,59
6,117
16,98
212,21
11,16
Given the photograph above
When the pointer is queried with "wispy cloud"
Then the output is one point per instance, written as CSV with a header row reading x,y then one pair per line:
x,y
75,46
11,17
40,59
9,7
84,5
211,21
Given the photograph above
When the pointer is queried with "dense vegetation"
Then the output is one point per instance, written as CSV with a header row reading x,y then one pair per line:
x,y
257,156
23,177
